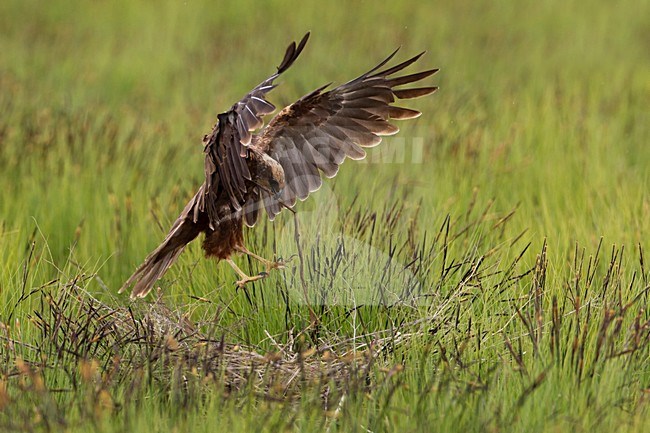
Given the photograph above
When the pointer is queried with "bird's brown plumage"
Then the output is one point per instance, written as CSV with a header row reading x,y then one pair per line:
x,y
284,161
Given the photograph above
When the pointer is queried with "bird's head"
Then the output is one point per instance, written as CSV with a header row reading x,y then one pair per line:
x,y
266,171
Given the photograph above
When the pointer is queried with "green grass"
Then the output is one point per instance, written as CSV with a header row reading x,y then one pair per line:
x,y
472,318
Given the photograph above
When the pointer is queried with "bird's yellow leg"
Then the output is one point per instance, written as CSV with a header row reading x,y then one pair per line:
x,y
269,264
244,278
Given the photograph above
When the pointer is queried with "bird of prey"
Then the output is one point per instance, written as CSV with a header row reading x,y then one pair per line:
x,y
282,162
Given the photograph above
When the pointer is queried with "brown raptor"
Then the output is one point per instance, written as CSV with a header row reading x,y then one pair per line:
x,y
282,162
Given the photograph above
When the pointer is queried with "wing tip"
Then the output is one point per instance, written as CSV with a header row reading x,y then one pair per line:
x,y
303,41
292,53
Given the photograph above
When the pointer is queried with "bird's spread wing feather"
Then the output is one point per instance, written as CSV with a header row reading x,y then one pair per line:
x,y
159,260
316,133
225,146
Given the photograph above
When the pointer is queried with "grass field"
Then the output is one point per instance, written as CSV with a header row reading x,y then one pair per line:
x,y
484,270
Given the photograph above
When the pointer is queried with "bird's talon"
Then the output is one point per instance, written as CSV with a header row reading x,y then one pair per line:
x,y
279,264
283,263
242,283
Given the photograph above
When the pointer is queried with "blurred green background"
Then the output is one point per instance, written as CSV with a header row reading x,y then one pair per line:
x,y
542,108
542,105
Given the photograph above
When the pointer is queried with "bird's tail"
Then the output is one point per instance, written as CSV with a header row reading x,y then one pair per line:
x,y
156,264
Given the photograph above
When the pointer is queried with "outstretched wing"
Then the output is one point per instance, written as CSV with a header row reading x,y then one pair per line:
x,y
225,146
316,133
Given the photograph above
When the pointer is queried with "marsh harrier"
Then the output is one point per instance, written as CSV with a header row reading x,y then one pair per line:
x,y
282,162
